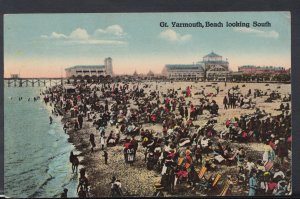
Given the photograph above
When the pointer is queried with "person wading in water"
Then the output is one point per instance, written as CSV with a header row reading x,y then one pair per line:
x,y
64,194
75,162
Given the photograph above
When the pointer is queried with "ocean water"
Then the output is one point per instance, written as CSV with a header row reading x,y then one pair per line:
x,y
36,154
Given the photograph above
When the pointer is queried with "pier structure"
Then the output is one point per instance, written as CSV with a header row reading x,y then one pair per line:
x,y
32,82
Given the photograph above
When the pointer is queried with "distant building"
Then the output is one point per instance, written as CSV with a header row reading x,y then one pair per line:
x,y
135,73
150,74
108,66
14,76
91,70
215,67
252,70
212,67
183,71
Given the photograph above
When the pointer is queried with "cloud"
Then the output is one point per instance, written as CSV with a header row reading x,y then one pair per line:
x,y
115,30
54,35
99,42
260,33
81,36
172,36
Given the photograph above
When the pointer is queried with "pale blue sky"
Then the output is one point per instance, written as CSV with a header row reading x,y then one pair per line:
x,y
45,44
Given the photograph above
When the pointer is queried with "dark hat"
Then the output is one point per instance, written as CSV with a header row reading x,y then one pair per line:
x,y
65,190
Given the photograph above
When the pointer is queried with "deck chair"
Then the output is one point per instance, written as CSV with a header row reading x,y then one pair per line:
x,y
269,165
203,182
202,172
180,160
225,189
216,180
213,186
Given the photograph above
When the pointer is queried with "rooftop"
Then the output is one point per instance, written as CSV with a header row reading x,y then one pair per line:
x,y
216,62
212,54
87,67
263,67
150,73
184,66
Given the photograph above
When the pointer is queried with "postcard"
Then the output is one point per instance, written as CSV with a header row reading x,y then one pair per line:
x,y
147,104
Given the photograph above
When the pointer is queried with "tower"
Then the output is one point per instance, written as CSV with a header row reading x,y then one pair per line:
x,y
108,66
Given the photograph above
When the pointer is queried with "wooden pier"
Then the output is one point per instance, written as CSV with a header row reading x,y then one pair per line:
x,y
32,82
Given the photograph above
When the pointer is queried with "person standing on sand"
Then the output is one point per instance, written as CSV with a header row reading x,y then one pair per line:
x,y
102,142
92,141
82,188
50,118
225,102
74,161
181,110
65,127
80,120
76,125
186,113
105,155
252,185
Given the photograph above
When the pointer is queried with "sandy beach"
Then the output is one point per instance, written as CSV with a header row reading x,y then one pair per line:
x,y
136,179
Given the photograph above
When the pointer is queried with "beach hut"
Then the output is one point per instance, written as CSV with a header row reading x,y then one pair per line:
x,y
69,89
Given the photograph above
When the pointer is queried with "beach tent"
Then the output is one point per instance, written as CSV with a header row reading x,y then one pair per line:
x,y
69,89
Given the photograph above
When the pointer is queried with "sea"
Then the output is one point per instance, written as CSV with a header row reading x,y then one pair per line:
x,y
36,153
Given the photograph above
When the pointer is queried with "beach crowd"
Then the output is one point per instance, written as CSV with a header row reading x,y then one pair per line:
x,y
191,159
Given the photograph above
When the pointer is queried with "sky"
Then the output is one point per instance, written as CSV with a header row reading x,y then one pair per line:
x,y
43,45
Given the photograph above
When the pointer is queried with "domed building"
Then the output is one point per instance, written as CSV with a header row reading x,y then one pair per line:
x,y
215,67
212,67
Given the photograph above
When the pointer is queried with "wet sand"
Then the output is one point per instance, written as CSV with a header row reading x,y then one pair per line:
x,y
136,179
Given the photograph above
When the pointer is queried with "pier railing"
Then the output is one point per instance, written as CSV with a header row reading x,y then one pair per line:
x,y
32,82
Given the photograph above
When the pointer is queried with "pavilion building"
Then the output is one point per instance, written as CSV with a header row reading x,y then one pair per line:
x,y
215,67
183,71
91,70
212,67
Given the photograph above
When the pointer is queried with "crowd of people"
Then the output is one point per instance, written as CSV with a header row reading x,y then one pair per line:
x,y
184,153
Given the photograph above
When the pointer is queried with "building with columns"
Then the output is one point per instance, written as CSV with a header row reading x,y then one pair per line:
x,y
91,70
183,71
212,67
215,67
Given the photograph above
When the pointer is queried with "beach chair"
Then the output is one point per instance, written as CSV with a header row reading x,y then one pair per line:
x,y
269,165
213,186
216,180
180,160
225,189
202,172
203,181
